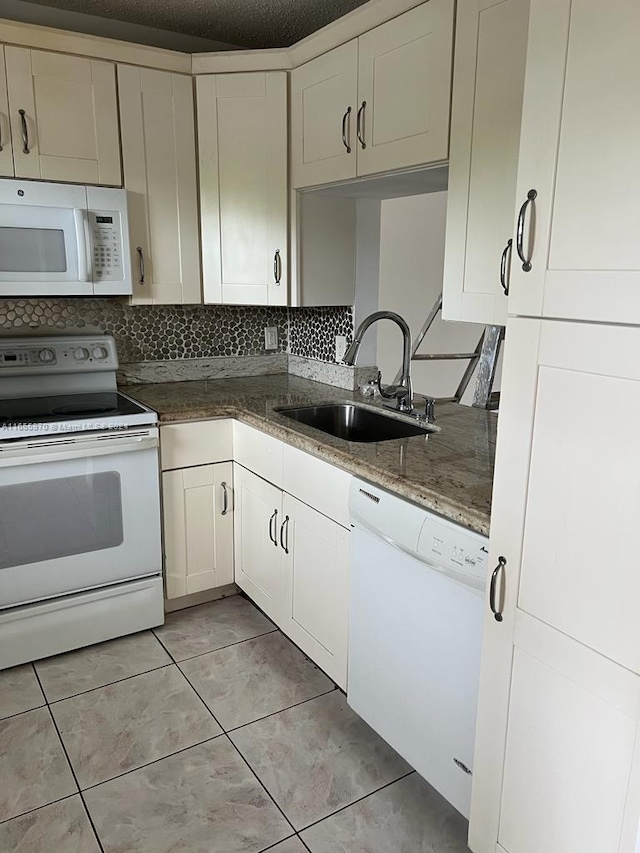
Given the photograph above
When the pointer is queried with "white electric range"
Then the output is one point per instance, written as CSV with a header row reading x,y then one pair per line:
x,y
80,547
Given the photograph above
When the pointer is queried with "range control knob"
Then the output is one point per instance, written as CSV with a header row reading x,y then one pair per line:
x,y
81,354
99,353
46,356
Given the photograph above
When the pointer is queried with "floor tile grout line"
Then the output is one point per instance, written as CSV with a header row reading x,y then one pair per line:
x,y
273,846
282,710
217,649
149,763
37,808
109,683
355,802
302,841
26,711
71,768
262,785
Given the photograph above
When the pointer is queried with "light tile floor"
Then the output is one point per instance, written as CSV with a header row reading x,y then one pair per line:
x,y
213,734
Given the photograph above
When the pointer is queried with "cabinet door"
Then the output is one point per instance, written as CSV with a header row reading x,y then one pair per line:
x,y
242,134
324,96
564,515
316,596
579,152
404,89
258,557
198,528
488,81
6,150
69,122
573,721
159,159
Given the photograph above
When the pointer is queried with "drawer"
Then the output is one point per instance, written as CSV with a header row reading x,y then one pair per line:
x,y
317,483
198,443
258,452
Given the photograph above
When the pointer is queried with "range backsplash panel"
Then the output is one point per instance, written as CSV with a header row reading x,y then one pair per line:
x,y
163,332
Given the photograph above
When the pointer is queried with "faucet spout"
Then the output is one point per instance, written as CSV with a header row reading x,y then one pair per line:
x,y
402,392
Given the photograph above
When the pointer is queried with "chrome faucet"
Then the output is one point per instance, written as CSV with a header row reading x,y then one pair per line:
x,y
403,393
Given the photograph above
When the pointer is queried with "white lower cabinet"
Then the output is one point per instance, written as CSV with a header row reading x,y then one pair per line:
x,y
316,586
569,748
197,505
198,528
292,544
258,558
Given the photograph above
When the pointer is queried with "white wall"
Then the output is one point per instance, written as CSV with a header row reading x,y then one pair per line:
x,y
411,266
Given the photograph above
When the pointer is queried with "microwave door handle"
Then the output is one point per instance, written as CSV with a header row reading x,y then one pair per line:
x,y
79,217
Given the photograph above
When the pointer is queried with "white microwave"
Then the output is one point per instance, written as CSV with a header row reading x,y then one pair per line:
x,y
63,240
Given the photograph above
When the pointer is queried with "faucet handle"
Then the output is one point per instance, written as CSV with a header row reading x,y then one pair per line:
x,y
430,409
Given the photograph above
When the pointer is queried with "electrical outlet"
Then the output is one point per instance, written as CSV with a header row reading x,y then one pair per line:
x,y
341,347
271,338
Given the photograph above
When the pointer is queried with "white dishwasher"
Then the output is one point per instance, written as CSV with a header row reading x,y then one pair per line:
x,y
415,634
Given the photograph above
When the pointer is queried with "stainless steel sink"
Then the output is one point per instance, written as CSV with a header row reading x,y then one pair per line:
x,y
354,423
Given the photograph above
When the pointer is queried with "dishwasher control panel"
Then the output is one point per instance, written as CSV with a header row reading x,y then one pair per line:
x,y
454,549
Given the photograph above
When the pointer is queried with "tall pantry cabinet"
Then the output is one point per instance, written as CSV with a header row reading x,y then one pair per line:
x,y
557,764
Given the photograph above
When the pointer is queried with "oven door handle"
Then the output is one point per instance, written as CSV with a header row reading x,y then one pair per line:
x,y
63,450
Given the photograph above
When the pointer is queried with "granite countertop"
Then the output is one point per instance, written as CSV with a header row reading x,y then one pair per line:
x,y
449,471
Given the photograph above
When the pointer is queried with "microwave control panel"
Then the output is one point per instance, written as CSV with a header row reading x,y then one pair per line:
x,y
106,245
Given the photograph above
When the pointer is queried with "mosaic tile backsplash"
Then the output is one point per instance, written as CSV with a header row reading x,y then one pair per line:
x,y
160,332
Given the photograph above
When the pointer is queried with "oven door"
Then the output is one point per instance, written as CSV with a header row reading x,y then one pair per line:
x,y
44,251
78,512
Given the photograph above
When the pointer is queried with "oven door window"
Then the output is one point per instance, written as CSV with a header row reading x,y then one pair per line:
x,y
62,517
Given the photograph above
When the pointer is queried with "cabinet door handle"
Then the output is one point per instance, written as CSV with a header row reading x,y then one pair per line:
x,y
345,119
272,536
360,125
25,132
497,614
0,133
284,543
526,262
225,498
140,264
277,266
503,267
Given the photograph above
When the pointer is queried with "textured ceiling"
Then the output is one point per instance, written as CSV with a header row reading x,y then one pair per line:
x,y
247,23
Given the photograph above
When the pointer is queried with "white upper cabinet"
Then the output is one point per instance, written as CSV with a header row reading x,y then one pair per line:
x,y
560,670
159,159
377,103
242,135
488,82
579,154
6,150
324,93
64,117
404,73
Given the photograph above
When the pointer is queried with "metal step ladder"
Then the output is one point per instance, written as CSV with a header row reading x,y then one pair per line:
x,y
485,357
